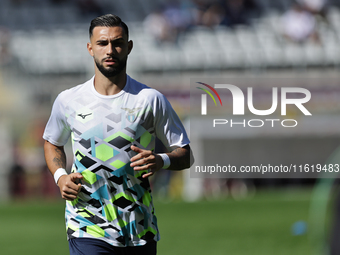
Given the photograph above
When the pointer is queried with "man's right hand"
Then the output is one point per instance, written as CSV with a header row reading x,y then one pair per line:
x,y
69,189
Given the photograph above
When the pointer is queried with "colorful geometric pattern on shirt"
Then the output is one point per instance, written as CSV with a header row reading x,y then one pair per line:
x,y
115,201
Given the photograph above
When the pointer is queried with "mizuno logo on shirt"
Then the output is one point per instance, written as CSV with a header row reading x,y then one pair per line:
x,y
83,116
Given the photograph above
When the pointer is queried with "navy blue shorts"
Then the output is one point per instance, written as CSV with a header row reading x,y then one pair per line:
x,y
91,246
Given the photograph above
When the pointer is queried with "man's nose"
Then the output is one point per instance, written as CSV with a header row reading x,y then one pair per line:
x,y
110,49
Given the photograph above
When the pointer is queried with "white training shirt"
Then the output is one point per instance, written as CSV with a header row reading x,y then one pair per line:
x,y
115,203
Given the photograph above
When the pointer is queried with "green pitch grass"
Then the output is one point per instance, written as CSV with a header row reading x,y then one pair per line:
x,y
260,225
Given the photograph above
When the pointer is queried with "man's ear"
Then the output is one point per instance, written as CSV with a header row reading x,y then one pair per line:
x,y
130,46
89,48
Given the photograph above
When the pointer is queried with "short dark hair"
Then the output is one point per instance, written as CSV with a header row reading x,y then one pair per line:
x,y
108,20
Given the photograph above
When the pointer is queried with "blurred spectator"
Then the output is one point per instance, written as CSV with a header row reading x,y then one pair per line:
x,y
225,12
199,8
316,7
158,26
17,177
239,12
298,25
193,10
213,16
167,22
178,15
17,181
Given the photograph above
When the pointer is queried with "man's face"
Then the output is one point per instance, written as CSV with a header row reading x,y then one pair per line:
x,y
109,48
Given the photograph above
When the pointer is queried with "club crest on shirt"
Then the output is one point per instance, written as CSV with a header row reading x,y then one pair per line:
x,y
131,114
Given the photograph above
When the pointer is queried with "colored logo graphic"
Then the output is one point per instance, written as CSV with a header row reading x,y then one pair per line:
x,y
131,113
204,97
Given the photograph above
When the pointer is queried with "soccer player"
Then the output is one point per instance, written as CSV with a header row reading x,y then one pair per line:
x,y
112,120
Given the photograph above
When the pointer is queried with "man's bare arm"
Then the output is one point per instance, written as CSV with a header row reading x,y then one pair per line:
x,y
56,158
181,158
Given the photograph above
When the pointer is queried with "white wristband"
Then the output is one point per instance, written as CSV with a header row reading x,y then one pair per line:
x,y
166,160
60,172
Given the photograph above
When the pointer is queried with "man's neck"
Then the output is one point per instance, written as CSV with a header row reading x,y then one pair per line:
x,y
109,86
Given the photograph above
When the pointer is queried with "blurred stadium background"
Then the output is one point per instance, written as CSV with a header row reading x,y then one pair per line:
x,y
43,51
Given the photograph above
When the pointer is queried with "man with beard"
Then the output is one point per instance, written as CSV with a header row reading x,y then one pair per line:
x,y
113,121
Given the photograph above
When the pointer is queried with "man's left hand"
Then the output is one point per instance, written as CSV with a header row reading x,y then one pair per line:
x,y
146,160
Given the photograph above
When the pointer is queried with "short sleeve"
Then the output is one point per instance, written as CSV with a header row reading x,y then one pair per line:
x,y
57,131
169,128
